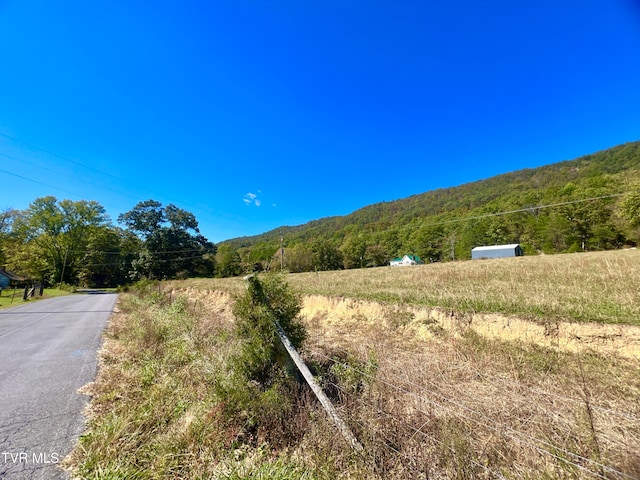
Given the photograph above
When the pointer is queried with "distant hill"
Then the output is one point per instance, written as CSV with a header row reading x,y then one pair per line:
x,y
446,223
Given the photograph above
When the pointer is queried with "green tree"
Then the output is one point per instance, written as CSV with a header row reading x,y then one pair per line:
x,y
229,263
296,259
172,243
376,256
144,219
6,220
108,260
354,252
260,390
326,256
630,207
268,300
428,242
56,234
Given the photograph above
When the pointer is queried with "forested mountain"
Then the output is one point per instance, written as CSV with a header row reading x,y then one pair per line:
x,y
589,203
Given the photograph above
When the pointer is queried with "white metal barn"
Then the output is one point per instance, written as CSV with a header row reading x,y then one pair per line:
x,y
497,251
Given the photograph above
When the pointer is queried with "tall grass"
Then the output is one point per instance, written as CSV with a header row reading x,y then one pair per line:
x,y
167,402
442,405
463,406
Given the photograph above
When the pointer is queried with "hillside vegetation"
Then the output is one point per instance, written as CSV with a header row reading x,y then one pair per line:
x,y
590,203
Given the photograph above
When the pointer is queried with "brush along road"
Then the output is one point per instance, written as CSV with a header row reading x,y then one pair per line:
x,y
48,350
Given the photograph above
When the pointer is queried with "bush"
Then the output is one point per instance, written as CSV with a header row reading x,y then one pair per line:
x,y
265,302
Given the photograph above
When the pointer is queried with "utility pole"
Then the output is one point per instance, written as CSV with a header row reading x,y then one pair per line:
x,y
281,252
64,264
453,247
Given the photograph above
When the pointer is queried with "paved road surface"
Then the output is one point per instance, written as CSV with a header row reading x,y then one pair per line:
x,y
47,351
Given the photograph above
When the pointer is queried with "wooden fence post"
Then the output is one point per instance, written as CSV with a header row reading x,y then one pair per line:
x,y
308,376
317,390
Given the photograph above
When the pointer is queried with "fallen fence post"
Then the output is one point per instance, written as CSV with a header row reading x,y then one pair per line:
x,y
253,284
317,390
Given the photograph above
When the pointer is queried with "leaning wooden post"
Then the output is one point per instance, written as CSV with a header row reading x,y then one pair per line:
x,y
306,373
324,400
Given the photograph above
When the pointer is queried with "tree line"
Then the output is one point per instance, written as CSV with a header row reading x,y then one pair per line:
x,y
75,242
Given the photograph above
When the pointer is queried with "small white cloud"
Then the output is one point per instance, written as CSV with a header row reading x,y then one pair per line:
x,y
252,199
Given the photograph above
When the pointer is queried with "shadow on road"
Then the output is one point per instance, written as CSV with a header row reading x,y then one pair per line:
x,y
93,291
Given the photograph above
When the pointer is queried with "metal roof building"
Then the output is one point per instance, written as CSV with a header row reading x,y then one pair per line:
x,y
497,251
7,277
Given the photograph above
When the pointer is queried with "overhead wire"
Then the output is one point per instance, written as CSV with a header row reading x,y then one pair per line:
x,y
444,222
99,172
72,177
39,182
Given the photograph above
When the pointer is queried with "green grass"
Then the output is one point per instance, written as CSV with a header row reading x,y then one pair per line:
x,y
11,298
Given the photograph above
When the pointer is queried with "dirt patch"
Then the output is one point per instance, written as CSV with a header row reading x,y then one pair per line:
x,y
622,340
346,316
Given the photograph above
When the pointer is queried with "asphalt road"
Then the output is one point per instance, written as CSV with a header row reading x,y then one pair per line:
x,y
48,350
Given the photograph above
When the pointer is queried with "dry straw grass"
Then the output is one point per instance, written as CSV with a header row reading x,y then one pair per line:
x,y
599,287
581,287
465,370
457,405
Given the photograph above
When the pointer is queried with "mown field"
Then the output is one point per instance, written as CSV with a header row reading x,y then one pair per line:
x,y
13,298
425,401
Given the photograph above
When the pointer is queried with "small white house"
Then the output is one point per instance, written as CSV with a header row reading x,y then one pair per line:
x,y
406,261
497,251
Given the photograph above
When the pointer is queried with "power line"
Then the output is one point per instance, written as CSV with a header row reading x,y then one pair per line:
x,y
155,252
526,209
100,172
41,183
72,177
62,157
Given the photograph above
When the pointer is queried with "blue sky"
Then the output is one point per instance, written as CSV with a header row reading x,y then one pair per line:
x,y
257,114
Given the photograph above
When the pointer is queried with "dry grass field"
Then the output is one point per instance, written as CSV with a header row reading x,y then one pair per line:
x,y
590,287
515,368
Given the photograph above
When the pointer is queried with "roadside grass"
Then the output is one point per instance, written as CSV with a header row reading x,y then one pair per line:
x,y
599,287
13,298
166,404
